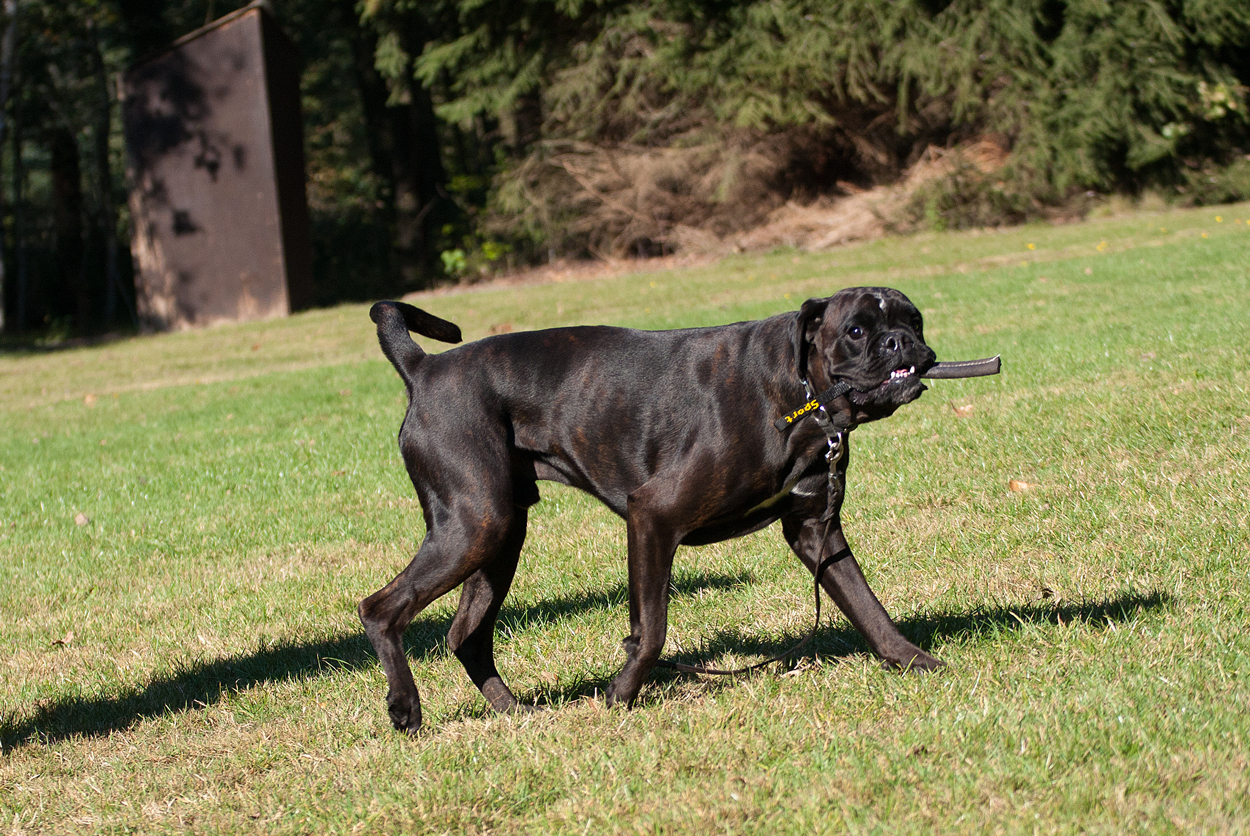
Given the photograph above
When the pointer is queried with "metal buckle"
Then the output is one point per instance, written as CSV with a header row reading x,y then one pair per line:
x,y
836,447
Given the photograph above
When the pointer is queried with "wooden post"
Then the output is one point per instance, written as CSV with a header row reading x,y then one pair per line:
x,y
214,138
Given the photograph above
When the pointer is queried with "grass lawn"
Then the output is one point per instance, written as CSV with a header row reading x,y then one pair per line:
x,y
188,521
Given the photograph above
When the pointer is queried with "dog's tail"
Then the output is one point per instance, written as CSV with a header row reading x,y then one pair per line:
x,y
395,320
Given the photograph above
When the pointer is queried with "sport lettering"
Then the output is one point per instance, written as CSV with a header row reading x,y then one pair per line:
x,y
801,411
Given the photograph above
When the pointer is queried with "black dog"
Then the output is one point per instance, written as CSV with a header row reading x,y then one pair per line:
x,y
672,430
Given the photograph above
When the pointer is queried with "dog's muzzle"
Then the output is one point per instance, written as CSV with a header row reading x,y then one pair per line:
x,y
938,371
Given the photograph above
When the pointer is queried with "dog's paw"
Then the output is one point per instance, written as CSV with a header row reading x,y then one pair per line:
x,y
919,662
618,695
522,708
405,712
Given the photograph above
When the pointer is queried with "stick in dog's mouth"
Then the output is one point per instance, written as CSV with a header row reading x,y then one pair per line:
x,y
964,368
948,371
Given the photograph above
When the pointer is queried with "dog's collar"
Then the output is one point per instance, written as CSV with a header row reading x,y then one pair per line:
x,y
815,406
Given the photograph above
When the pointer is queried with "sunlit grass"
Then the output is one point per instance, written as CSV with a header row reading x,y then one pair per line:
x,y
188,657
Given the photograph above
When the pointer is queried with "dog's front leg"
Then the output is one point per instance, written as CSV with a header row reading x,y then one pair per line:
x,y
652,545
845,583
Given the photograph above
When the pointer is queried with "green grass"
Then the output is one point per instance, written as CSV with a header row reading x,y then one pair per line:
x,y
189,658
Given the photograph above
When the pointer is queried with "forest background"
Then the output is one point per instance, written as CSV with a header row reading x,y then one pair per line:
x,y
451,139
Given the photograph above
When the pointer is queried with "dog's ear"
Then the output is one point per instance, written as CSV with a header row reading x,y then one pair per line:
x,y
806,324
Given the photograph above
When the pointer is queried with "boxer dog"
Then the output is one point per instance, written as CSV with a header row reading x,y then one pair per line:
x,y
692,436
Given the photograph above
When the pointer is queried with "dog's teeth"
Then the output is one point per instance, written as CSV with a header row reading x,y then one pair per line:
x,y
899,374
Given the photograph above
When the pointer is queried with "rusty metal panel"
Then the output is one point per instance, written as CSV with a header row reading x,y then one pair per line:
x,y
215,147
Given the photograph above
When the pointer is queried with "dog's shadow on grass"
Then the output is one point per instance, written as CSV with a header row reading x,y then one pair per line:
x,y
839,639
203,684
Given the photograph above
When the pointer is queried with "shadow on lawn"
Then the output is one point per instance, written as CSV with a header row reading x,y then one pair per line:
x,y
204,684
840,639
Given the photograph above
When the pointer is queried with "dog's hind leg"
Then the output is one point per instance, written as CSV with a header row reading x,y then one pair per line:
x,y
472,634
463,537
842,578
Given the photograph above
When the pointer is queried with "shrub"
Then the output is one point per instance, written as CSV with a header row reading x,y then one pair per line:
x,y
653,102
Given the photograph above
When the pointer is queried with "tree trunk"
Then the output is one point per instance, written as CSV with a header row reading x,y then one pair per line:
x,y
67,222
19,226
528,117
417,174
7,45
104,186
145,28
373,94
405,152
418,181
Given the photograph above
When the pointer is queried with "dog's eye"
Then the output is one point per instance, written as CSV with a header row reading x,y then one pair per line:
x,y
856,332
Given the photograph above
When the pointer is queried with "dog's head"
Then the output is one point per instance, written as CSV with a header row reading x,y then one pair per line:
x,y
872,337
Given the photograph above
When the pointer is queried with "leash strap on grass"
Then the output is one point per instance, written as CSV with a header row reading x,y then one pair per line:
x,y
821,565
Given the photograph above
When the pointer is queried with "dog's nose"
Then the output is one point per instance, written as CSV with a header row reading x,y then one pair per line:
x,y
895,342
